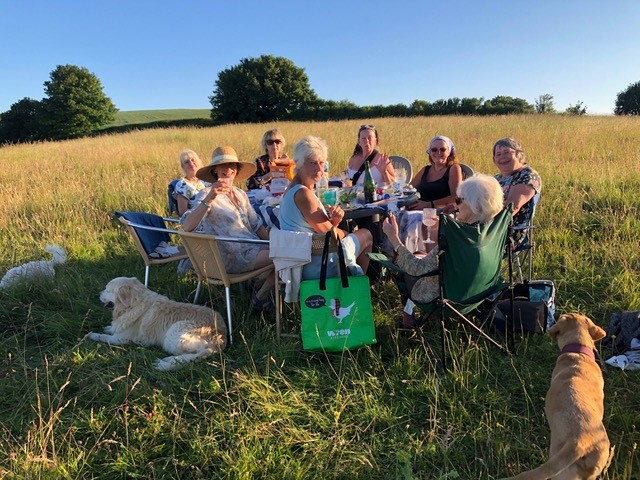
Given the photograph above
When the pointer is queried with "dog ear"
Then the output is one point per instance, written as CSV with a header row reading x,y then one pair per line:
x,y
554,331
123,298
596,332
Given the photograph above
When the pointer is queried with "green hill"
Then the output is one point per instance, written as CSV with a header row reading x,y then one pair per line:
x,y
136,117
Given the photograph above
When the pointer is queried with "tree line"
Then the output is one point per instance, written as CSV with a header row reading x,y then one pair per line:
x,y
262,89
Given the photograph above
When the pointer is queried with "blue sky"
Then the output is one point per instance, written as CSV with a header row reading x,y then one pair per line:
x,y
167,54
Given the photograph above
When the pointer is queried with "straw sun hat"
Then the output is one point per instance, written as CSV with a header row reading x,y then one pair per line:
x,y
223,155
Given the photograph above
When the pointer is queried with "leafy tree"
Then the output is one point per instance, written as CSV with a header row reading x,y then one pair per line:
x,y
22,122
544,104
76,105
261,89
628,101
503,105
577,109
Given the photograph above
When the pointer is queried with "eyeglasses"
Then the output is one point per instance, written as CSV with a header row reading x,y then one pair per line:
x,y
271,141
367,127
459,200
436,150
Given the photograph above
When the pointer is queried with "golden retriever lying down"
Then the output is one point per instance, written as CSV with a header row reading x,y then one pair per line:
x,y
141,316
574,405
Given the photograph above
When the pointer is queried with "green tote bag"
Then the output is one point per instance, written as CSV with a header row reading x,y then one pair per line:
x,y
336,312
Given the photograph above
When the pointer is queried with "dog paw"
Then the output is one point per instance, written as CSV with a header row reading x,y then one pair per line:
x,y
166,364
93,336
108,329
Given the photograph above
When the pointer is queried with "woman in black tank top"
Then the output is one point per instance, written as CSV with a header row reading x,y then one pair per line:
x,y
437,183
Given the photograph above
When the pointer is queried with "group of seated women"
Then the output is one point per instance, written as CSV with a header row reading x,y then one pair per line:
x,y
208,201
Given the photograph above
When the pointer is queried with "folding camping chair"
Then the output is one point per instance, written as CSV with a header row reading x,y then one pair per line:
x,y
147,231
469,275
523,252
209,267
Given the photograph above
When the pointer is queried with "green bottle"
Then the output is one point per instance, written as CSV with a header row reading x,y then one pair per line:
x,y
369,187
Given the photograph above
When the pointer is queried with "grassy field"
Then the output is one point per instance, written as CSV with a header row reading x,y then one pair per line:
x,y
267,410
136,117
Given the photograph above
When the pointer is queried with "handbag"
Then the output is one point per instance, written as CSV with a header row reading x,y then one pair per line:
x,y
336,312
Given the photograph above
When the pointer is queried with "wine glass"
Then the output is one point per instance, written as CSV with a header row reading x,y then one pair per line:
x,y
400,179
429,218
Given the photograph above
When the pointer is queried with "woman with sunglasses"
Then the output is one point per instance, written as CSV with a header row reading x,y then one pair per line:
x,y
437,182
479,200
273,145
367,149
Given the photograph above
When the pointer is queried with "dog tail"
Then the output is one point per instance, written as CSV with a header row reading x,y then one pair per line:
x,y
59,254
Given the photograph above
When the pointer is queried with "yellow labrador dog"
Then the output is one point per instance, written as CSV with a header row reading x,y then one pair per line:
x,y
147,318
575,406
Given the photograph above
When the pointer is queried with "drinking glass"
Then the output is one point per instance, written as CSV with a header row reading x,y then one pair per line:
x,y
330,196
429,218
400,179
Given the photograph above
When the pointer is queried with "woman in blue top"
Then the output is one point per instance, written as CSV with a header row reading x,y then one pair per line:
x,y
301,211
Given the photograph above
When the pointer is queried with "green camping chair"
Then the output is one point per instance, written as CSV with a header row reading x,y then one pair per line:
x,y
469,271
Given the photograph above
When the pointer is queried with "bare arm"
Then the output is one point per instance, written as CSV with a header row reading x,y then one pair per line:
x,y
519,195
196,215
310,208
183,204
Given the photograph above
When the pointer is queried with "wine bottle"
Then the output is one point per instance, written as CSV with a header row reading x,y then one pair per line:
x,y
369,187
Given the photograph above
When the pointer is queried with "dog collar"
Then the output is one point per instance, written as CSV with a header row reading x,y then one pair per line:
x,y
578,348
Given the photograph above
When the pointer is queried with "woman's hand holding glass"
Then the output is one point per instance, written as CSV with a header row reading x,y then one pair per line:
x,y
335,214
429,218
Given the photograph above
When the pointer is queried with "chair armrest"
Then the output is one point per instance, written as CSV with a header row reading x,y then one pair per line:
x,y
220,238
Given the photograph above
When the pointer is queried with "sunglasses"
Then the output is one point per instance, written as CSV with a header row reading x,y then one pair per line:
x,y
459,200
367,127
436,150
271,141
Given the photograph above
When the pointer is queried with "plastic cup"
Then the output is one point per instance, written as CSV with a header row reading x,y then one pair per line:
x,y
330,196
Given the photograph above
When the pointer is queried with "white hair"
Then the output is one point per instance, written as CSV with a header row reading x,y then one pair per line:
x,y
483,194
309,148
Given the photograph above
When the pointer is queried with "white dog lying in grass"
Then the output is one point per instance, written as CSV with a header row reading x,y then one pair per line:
x,y
36,270
141,316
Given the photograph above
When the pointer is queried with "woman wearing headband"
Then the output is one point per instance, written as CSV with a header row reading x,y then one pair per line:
x,y
437,182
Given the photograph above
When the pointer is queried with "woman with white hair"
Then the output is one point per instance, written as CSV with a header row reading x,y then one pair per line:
x,y
188,187
479,200
302,211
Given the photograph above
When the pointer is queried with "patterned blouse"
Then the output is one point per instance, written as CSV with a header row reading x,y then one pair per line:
x,y
262,163
233,216
189,190
524,176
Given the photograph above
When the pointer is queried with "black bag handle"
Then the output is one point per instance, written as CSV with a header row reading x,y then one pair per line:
x,y
342,264
356,175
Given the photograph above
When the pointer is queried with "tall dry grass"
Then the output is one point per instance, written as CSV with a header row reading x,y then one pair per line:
x,y
263,410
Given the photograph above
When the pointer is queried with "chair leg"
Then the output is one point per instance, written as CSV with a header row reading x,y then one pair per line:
x,y
227,292
277,301
195,298
146,275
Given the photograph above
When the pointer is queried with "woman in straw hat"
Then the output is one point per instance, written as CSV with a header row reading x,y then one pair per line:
x,y
225,211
